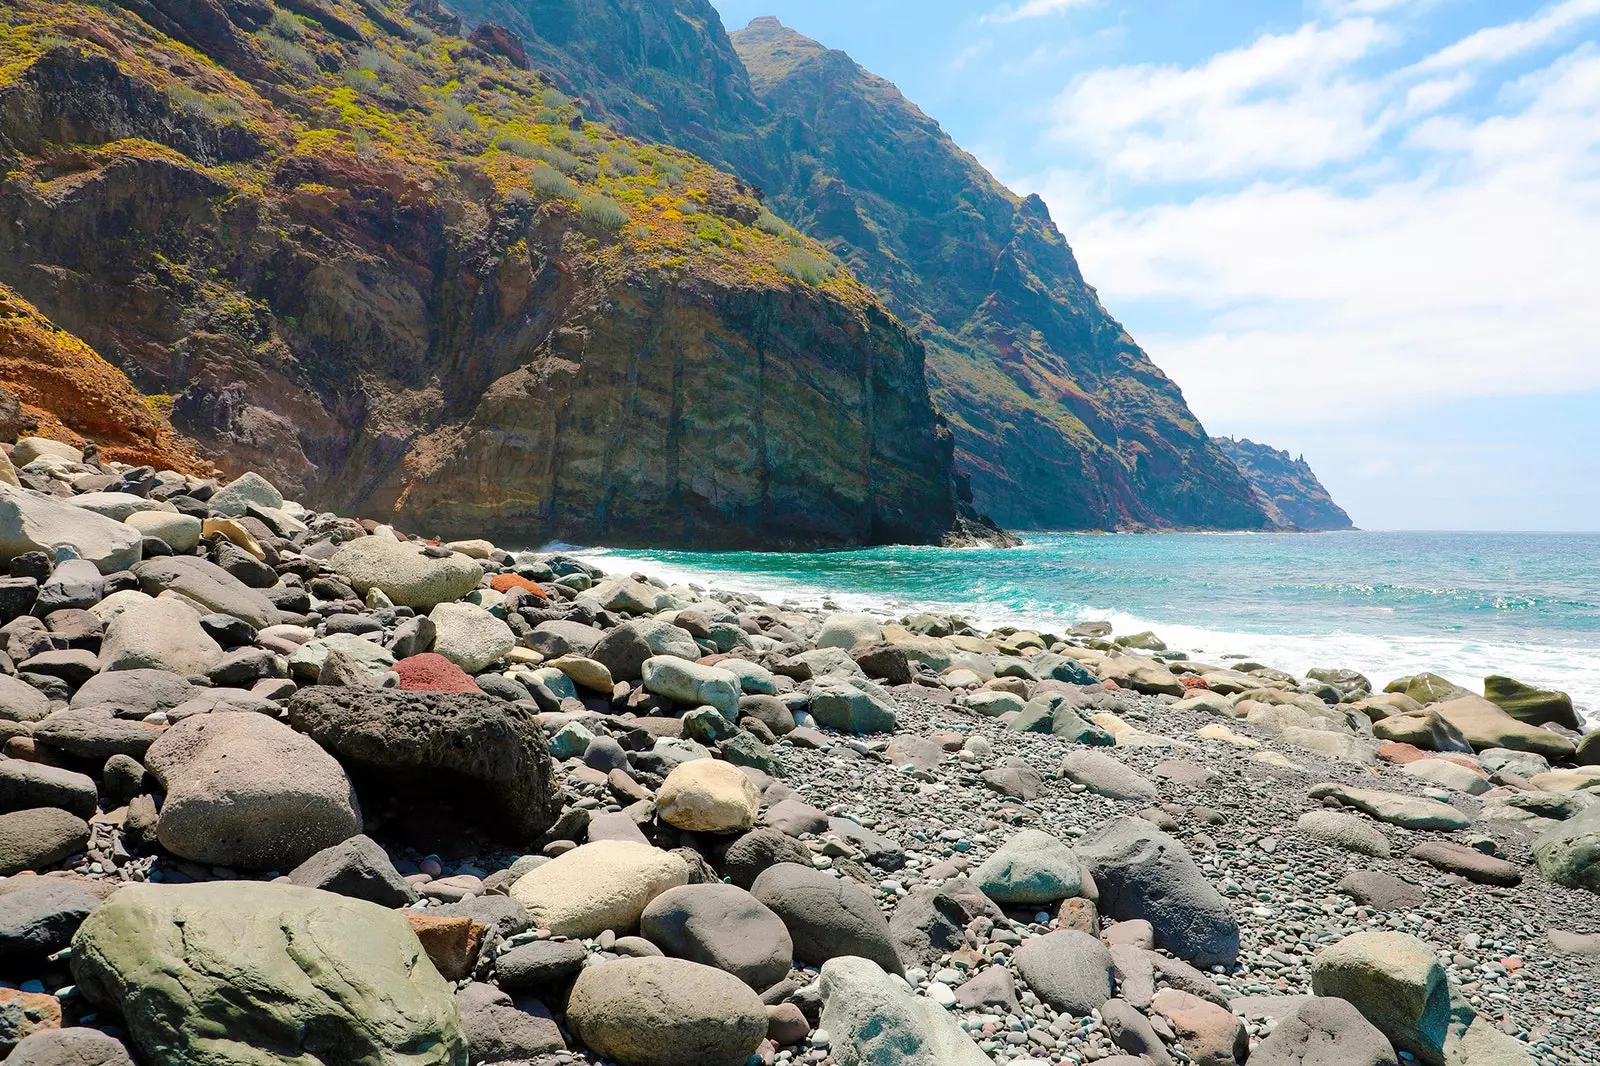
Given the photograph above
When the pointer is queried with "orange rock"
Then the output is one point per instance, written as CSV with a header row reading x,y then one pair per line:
x,y
27,1013
79,398
1401,754
507,582
452,943
1080,914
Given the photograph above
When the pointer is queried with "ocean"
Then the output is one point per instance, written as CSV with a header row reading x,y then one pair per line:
x,y
1463,605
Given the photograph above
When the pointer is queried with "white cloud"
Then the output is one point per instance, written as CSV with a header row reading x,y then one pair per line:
x,y
1286,101
1499,43
1472,275
1031,9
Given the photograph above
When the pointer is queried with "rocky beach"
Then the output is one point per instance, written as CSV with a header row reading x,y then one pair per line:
x,y
288,787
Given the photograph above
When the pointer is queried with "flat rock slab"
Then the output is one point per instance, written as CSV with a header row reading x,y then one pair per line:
x,y
1469,863
1407,812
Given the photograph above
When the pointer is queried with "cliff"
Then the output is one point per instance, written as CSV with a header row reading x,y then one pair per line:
x,y
65,391
1060,419
404,277
1288,488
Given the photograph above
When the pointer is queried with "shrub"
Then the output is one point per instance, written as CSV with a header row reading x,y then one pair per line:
x,y
375,61
602,211
770,223
457,117
555,98
551,182
287,52
623,163
286,26
805,267
669,175
361,80
565,162
224,108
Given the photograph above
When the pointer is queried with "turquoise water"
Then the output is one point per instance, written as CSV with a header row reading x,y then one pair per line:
x,y
1460,604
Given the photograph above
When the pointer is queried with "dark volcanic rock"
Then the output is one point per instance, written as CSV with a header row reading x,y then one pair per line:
x,y
485,759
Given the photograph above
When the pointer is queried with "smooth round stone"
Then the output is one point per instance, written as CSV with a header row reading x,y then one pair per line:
x,y
708,796
666,1012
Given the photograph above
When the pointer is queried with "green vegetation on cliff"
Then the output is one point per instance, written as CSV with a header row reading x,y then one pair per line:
x,y
399,273
1060,419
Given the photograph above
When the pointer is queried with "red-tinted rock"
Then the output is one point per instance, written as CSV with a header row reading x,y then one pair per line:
x,y
507,582
430,672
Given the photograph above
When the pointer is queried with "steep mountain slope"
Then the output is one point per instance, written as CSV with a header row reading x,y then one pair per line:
x,y
1288,488
1060,419
405,277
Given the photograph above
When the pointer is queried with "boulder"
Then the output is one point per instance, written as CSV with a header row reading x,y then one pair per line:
x,y
599,886
1212,1035
470,636
359,868
1530,705
1106,776
872,1020
708,796
1344,831
666,1012
95,733
721,926
135,693
1141,872
1485,725
1067,969
234,499
33,523
21,702
1030,869
208,585
163,634
38,838
1470,863
245,790
1141,675
850,710
847,630
237,972
26,784
623,650
931,920
498,1030
180,532
757,851
306,664
1325,1031
1396,983
484,759
540,965
559,637
827,916
405,573
1404,811
691,684
1568,853
69,1047
38,918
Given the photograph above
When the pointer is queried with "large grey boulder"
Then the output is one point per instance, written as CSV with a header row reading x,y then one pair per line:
x,y
1107,776
21,702
484,759
498,1030
38,919
1396,983
233,500
405,572
26,784
38,838
874,1021
69,1047
931,920
1067,969
135,693
162,634
722,926
849,709
1325,1032
208,585
827,916
245,790
30,522
623,650
231,973
1142,872
1031,868
1568,853
666,1012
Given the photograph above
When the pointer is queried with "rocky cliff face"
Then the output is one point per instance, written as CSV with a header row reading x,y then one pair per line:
x,y
1060,420
403,277
56,386
1289,490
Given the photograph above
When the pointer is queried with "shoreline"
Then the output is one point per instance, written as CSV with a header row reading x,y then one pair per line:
x,y
1382,658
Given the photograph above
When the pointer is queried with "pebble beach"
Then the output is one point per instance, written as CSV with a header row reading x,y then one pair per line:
x,y
288,786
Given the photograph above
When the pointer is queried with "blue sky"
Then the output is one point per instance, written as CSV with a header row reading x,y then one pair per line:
x,y
1365,230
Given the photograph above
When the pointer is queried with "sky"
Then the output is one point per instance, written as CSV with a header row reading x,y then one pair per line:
x,y
1367,231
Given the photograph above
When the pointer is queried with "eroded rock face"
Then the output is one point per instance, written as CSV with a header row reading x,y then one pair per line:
x,y
344,982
